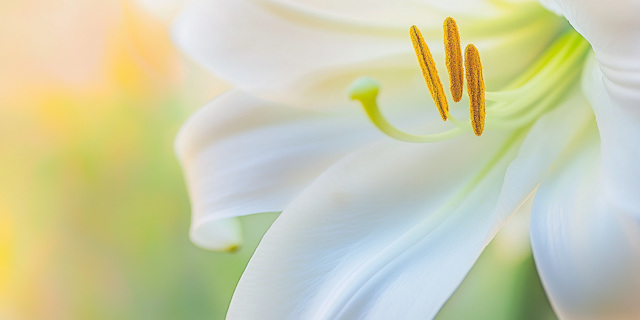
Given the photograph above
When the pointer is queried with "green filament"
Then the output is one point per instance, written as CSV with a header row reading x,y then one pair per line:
x,y
366,91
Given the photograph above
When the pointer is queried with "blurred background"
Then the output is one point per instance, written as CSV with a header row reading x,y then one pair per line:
x,y
94,215
93,210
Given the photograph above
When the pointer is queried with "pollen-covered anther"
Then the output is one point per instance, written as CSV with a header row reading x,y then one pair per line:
x,y
429,72
453,54
475,88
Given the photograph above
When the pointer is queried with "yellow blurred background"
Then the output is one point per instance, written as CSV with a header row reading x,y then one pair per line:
x,y
94,215
93,211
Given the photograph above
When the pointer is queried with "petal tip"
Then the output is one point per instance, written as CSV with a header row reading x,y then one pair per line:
x,y
222,235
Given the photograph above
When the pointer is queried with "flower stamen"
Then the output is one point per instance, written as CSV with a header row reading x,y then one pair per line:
x,y
475,88
541,87
537,90
430,72
453,54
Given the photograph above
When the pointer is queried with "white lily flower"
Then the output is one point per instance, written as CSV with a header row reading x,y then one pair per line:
x,y
375,228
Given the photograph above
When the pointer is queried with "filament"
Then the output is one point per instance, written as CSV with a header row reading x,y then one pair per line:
x,y
366,91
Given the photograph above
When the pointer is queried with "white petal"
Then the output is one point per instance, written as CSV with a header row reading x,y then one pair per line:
x,y
619,135
307,53
586,216
612,29
242,155
503,284
587,250
390,231
551,5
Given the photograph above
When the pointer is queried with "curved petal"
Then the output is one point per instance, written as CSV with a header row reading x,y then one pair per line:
x,y
241,155
586,216
587,250
306,53
619,135
503,284
390,231
612,29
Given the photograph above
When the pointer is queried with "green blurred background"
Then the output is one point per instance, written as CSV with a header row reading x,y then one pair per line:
x,y
94,215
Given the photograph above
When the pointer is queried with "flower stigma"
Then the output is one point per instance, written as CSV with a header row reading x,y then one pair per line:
x,y
523,100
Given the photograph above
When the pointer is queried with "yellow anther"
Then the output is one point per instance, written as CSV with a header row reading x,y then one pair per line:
x,y
475,88
429,72
453,58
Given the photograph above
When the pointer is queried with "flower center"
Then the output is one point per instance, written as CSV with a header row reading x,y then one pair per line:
x,y
537,90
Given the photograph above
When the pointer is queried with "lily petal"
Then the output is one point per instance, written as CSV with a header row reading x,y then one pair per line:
x,y
586,215
390,231
619,135
612,29
242,155
586,250
305,53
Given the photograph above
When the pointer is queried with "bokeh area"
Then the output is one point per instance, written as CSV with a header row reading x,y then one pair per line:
x,y
94,214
